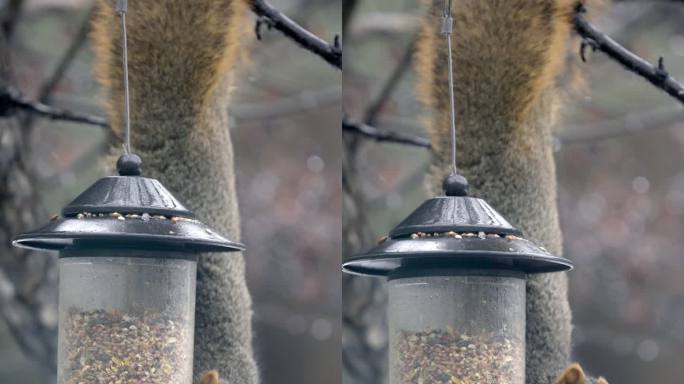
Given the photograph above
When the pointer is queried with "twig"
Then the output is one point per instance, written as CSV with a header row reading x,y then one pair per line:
x,y
619,127
383,135
382,24
597,40
271,17
348,8
60,70
12,100
67,58
286,106
391,84
8,16
366,129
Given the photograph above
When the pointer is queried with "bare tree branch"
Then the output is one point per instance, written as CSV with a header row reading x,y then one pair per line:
x,y
66,60
597,40
12,100
391,84
8,16
383,135
286,106
27,279
348,8
389,24
271,17
582,134
60,70
366,129
631,123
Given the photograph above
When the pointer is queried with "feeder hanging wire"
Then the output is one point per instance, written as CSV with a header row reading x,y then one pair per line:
x,y
121,9
447,29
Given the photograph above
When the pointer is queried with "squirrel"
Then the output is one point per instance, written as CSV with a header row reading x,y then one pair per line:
x,y
507,57
180,59
575,375
212,377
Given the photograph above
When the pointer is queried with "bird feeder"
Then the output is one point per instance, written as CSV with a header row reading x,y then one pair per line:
x,y
128,254
456,270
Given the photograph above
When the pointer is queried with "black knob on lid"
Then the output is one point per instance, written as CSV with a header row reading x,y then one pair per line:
x,y
129,165
455,185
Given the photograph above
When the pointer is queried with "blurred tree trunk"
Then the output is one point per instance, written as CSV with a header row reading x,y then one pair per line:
x,y
364,341
28,280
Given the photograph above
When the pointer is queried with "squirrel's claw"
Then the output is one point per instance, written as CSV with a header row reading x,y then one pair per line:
x,y
211,377
574,374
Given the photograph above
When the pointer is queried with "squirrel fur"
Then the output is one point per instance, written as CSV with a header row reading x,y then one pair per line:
x,y
507,55
575,375
212,377
180,60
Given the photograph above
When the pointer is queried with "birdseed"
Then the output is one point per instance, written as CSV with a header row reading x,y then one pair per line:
x,y
113,347
450,357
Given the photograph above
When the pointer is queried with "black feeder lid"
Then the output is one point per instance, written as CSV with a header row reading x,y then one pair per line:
x,y
455,232
127,211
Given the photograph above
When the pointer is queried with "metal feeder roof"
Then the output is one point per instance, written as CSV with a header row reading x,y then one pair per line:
x,y
127,211
455,232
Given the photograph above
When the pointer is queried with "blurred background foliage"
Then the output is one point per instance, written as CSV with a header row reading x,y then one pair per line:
x,y
285,112
619,153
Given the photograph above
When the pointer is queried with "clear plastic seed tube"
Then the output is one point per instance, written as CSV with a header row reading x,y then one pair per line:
x,y
456,328
126,318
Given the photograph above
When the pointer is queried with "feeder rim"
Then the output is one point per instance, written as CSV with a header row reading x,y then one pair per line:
x,y
107,232
379,263
407,273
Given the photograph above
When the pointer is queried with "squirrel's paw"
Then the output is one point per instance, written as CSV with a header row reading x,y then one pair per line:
x,y
211,377
575,375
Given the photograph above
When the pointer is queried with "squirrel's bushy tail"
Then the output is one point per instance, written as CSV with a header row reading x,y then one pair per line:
x,y
178,53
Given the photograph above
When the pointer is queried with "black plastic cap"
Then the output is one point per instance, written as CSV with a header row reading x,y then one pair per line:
x,y
127,194
141,232
126,212
454,213
455,185
129,165
455,233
